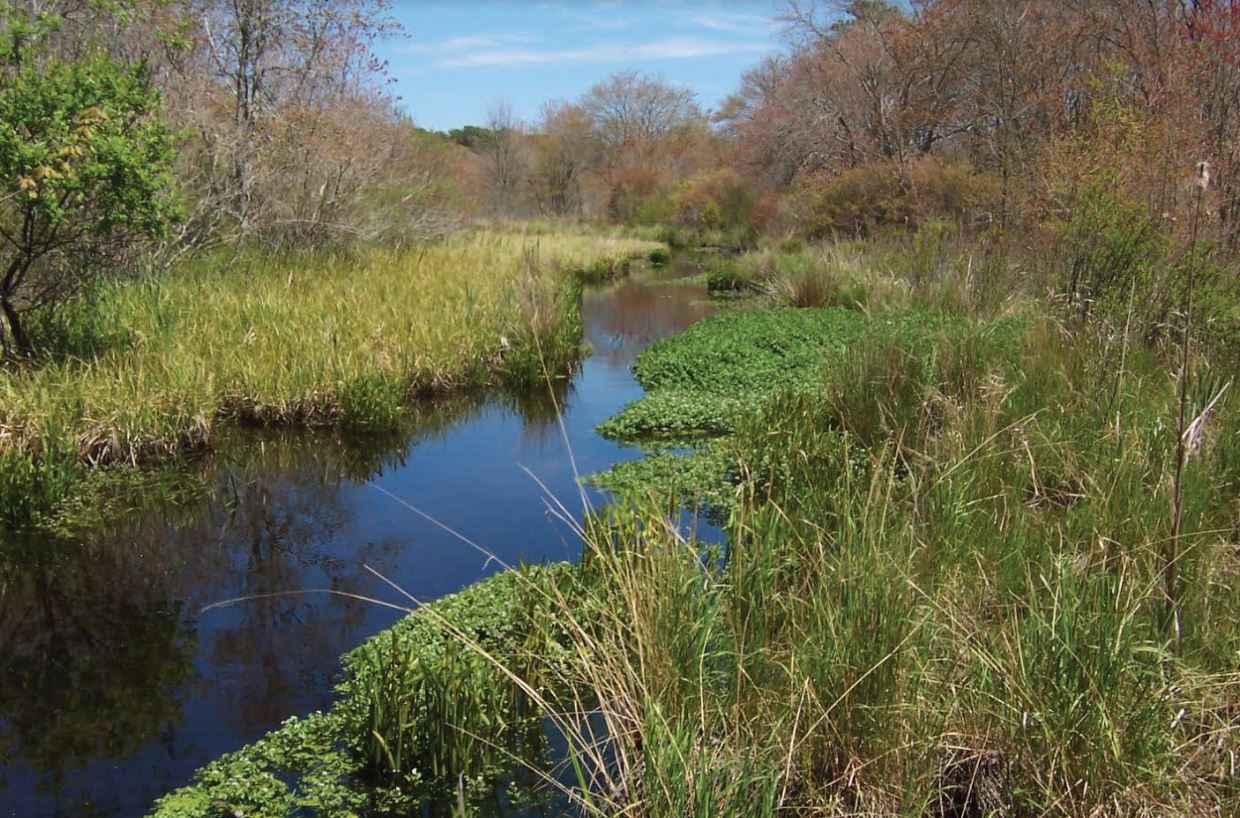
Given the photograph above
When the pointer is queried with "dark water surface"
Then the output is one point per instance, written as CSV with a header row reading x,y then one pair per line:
x,y
115,685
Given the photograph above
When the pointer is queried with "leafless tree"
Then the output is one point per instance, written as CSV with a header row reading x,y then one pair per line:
x,y
505,162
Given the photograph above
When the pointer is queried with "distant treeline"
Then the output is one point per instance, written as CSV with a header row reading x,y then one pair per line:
x,y
975,113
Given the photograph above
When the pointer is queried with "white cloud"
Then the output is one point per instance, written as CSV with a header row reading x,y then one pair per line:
x,y
470,43
673,48
731,21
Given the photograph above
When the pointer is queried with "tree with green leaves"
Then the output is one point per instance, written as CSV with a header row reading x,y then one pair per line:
x,y
85,171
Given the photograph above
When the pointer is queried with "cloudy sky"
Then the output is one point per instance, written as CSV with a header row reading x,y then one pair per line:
x,y
458,58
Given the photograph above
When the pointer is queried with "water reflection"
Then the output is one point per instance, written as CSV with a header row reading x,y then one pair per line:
x,y
113,686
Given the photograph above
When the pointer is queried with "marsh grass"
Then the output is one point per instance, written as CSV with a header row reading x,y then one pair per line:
x,y
940,597
945,599
142,371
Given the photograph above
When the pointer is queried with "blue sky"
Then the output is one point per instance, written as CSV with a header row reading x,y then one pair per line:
x,y
458,58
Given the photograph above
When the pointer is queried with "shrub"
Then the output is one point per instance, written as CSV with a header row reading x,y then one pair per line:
x,y
632,194
864,199
950,191
1112,251
855,202
715,200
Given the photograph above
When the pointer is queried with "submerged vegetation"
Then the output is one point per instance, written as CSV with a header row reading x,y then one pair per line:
x,y
142,371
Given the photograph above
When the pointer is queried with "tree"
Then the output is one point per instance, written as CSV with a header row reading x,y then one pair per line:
x,y
562,154
84,173
631,111
501,150
277,88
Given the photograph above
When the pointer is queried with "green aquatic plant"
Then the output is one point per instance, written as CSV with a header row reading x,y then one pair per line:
x,y
427,714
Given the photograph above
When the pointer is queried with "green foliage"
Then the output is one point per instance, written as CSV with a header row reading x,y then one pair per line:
x,y
1122,268
675,415
1114,252
675,480
81,148
431,709
255,781
725,277
85,164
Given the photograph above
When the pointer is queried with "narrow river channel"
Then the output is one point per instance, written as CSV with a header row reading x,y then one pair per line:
x,y
115,684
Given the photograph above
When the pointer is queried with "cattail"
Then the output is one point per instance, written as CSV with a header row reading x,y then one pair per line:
x,y
1203,175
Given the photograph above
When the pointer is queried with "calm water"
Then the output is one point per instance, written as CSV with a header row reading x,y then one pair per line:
x,y
115,685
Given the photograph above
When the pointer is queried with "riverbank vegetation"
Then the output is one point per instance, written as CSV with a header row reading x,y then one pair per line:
x,y
942,590
969,434
142,371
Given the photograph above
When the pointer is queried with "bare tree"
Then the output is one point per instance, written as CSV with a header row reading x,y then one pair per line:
x,y
504,160
563,153
632,111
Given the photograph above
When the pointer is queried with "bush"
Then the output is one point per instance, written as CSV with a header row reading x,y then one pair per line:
x,y
855,202
633,194
715,200
950,192
1112,251
864,199
726,276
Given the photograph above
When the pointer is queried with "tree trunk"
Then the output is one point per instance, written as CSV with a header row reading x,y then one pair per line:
x,y
21,341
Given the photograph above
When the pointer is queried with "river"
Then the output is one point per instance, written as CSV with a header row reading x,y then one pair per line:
x,y
115,684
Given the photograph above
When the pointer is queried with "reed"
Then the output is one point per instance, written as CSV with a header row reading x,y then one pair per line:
x,y
942,595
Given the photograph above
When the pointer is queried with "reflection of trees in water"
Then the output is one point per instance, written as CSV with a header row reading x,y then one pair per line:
x,y
622,319
97,632
92,652
539,408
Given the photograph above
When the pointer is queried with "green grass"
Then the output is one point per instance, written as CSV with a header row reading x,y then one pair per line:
x,y
144,371
941,595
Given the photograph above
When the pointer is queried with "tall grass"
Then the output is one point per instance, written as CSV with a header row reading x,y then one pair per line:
x,y
949,606
144,370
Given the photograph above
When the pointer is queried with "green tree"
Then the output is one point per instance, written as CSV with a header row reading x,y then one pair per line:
x,y
85,161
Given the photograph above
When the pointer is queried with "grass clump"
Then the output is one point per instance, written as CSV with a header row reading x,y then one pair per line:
x,y
427,716
146,371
